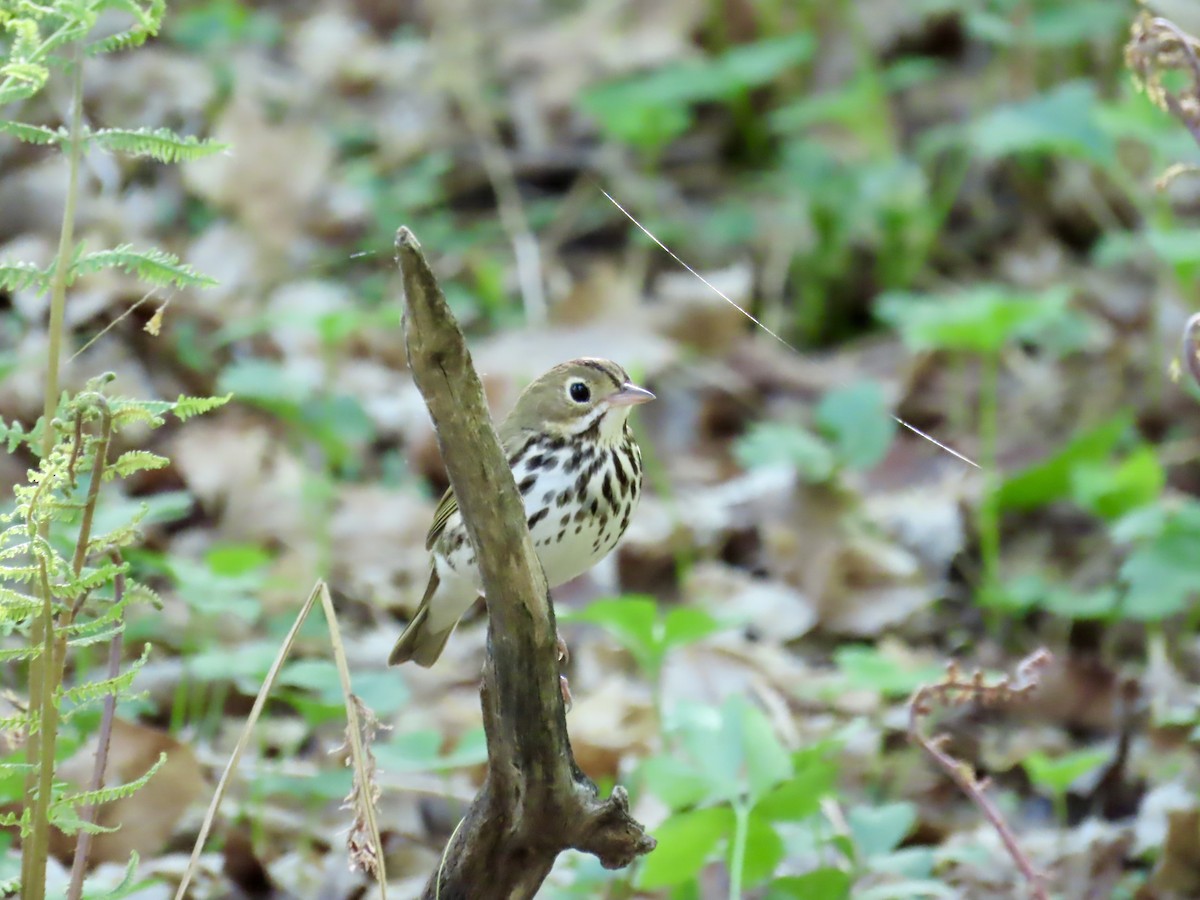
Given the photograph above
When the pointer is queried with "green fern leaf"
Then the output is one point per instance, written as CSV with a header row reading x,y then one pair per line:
x,y
127,888
108,794
21,80
19,275
110,616
18,574
136,592
148,19
187,407
32,134
10,654
132,461
153,266
96,690
162,144
15,606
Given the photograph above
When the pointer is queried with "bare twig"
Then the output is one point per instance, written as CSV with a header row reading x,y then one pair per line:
x,y
83,842
534,802
1158,45
954,690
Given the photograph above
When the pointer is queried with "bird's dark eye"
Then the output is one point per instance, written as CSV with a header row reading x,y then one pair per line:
x,y
579,392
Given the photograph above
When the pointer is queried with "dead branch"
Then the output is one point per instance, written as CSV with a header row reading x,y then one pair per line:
x,y
534,802
954,690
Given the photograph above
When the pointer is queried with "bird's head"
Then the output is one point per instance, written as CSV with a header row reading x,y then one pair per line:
x,y
580,398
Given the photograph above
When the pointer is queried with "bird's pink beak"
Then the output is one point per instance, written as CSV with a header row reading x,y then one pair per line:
x,y
630,395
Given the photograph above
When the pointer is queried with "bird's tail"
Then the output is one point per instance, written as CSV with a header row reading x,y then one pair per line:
x,y
419,642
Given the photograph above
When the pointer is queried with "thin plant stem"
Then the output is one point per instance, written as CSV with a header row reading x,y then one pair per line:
x,y
40,742
37,847
62,262
989,518
83,843
358,751
956,689
737,852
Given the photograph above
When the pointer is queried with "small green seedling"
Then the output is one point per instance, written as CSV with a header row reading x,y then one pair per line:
x,y
1054,775
648,636
980,322
730,783
854,431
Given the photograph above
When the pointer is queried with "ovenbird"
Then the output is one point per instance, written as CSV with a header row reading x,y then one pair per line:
x,y
579,472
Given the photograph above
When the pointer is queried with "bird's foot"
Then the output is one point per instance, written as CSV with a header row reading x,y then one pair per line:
x,y
563,658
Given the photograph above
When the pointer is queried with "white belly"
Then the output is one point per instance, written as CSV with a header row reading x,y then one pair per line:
x,y
574,523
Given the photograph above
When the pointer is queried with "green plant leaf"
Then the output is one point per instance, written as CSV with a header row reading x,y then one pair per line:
x,y
764,851
799,797
767,762
880,829
153,266
674,781
774,443
1061,121
1111,490
819,884
979,320
686,841
162,144
1050,480
630,620
686,625
1160,575
857,422
864,666
1055,774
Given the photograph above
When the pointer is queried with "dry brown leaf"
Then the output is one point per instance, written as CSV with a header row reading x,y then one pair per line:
x,y
774,611
273,177
145,820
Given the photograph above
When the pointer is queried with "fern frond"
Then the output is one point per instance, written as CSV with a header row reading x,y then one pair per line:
x,y
15,606
127,888
187,407
19,574
107,618
162,144
153,266
21,80
11,819
137,413
136,592
67,820
121,536
147,18
108,794
32,134
96,690
89,580
19,275
9,654
99,637
132,461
